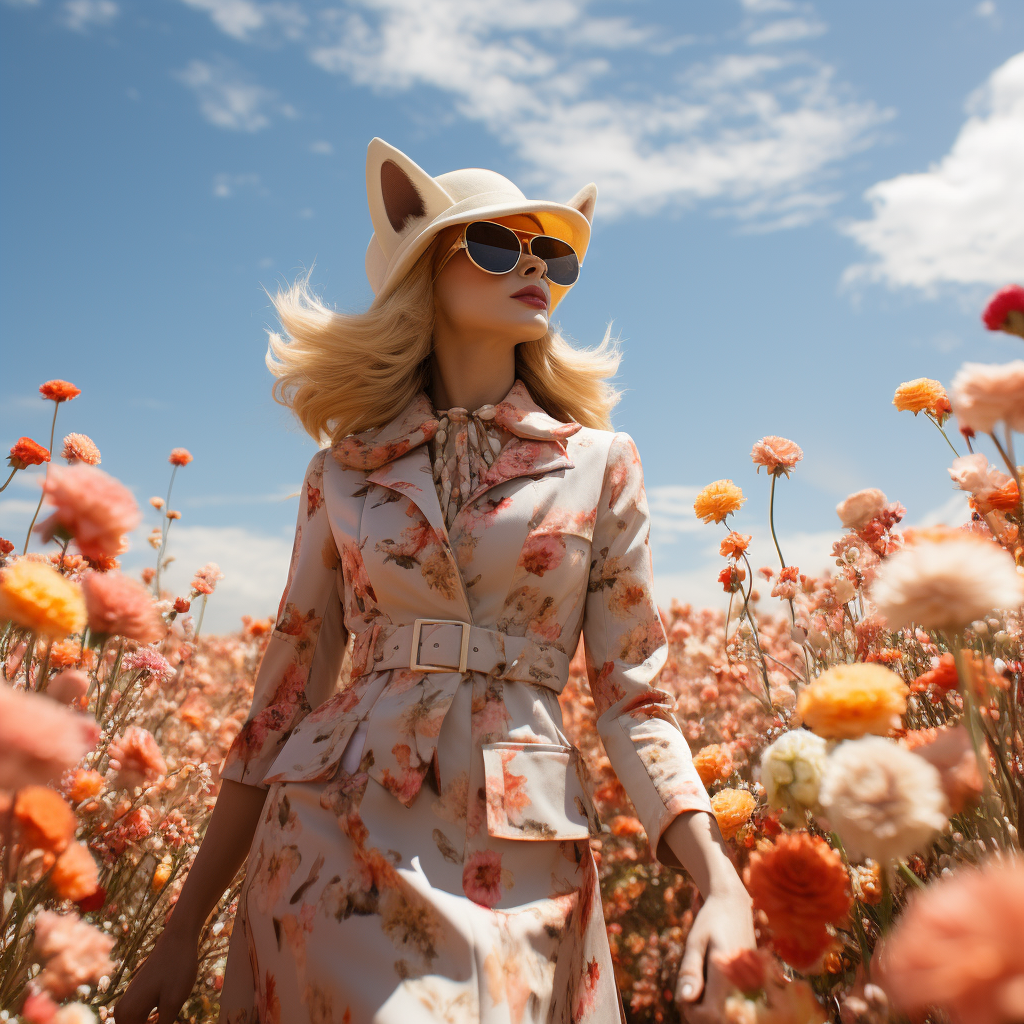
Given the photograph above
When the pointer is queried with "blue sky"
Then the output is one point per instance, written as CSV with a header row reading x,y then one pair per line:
x,y
800,206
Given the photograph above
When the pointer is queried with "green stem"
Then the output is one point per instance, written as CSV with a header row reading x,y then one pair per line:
x,y
771,519
53,427
909,875
943,433
163,538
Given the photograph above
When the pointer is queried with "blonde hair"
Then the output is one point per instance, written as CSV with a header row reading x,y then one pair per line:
x,y
343,373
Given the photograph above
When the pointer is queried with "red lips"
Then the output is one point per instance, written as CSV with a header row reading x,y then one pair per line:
x,y
532,295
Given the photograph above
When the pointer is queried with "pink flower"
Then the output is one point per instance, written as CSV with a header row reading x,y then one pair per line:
x,y
856,511
92,507
75,953
68,686
118,604
958,947
777,454
206,578
136,757
984,394
81,448
481,878
542,553
179,457
150,660
39,739
1005,310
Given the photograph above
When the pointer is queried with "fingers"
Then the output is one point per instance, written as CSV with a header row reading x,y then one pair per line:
x,y
690,983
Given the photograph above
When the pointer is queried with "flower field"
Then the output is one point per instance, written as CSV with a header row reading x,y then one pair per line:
x,y
864,750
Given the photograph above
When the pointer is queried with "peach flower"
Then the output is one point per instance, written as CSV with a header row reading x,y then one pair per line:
x,y
857,510
732,808
136,758
81,448
957,947
75,876
39,739
43,819
718,500
84,784
118,604
92,507
777,454
206,578
946,584
74,953
36,596
921,395
713,763
847,701
26,452
67,686
950,750
985,394
734,545
180,457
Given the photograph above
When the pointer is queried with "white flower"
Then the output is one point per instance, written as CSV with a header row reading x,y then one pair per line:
x,y
884,801
791,770
946,584
857,510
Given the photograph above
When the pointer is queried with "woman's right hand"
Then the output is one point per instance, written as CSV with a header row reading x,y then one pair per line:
x,y
163,982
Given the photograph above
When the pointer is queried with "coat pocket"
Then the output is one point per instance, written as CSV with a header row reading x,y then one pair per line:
x,y
535,792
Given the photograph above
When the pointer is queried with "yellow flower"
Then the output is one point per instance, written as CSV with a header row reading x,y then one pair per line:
x,y
921,395
713,764
35,595
848,701
733,808
717,500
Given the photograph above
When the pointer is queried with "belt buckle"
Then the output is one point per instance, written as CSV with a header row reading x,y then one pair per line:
x,y
415,666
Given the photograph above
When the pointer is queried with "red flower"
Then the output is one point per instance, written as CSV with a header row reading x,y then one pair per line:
x,y
1005,310
59,390
6,547
179,457
731,578
26,452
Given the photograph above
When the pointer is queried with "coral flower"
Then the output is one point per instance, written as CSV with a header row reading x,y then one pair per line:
x,y
206,578
847,701
731,578
801,884
957,947
777,454
946,585
713,763
68,685
75,876
857,510
136,757
84,784
734,545
733,808
75,953
921,395
1005,310
26,452
884,801
81,448
718,500
118,604
180,457
92,507
39,739
943,676
35,595
59,390
984,394
44,819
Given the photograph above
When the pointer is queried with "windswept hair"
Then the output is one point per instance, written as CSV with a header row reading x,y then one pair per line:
x,y
342,373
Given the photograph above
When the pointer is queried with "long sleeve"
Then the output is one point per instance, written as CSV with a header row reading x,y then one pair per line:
x,y
626,648
302,662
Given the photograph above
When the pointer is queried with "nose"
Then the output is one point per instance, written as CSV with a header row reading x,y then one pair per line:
x,y
531,266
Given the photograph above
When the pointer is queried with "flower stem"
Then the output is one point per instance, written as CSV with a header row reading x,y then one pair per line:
x,y
10,478
771,519
938,427
53,427
909,875
163,539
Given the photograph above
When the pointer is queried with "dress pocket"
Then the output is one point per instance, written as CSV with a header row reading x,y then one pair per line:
x,y
535,792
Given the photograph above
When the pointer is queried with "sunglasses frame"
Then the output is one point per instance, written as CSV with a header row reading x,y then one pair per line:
x,y
462,243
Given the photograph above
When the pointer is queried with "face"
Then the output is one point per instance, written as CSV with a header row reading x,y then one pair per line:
x,y
511,307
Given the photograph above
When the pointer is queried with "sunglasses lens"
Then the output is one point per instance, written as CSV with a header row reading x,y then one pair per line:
x,y
563,266
493,247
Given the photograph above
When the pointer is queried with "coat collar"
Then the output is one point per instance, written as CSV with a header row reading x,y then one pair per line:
x,y
417,424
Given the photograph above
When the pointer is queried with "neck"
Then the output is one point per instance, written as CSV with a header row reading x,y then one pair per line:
x,y
470,373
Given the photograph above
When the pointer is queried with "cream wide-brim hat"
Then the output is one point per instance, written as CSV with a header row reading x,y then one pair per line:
x,y
409,208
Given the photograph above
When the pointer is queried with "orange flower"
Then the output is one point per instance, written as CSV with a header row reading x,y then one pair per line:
x,y
118,604
82,448
847,701
718,500
734,545
25,452
713,763
1002,499
625,825
85,783
59,390
65,653
160,876
75,875
173,514
731,578
36,596
801,885
777,454
180,457
922,395
44,819
733,808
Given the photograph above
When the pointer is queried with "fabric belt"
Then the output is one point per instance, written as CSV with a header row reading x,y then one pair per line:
x,y
447,646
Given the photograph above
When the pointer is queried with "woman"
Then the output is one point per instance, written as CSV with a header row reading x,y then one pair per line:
x,y
418,842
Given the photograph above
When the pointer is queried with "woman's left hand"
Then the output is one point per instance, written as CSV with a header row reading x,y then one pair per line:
x,y
724,924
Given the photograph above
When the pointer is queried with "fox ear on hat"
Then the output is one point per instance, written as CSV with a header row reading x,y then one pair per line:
x,y
401,195
585,200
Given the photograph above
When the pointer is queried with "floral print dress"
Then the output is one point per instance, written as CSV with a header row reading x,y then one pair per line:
x,y
423,852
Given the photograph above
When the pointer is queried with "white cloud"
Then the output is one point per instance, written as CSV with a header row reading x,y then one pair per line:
x,y
243,19
228,100
225,186
80,15
753,134
960,221
986,9
321,147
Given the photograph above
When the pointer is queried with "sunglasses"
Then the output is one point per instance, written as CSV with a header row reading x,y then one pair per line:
x,y
497,249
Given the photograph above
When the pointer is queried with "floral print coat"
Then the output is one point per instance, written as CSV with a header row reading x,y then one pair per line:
x,y
423,850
